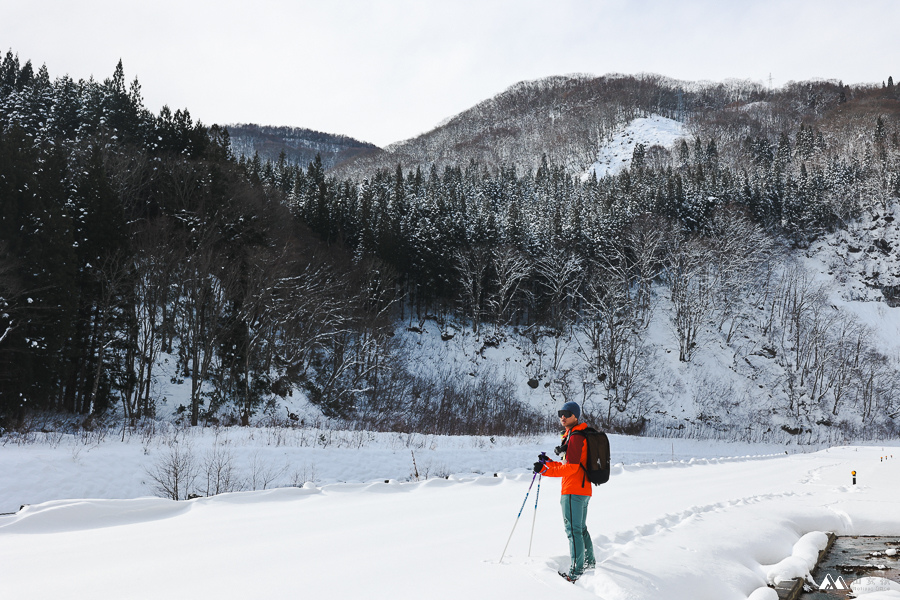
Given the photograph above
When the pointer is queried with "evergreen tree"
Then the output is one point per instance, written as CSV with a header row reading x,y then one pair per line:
x,y
880,133
637,157
9,72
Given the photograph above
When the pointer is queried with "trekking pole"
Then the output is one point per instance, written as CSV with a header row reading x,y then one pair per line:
x,y
517,517
537,496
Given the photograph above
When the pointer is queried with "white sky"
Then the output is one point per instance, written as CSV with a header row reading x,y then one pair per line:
x,y
386,70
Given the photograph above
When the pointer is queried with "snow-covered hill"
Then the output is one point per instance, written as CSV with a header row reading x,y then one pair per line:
x,y
745,387
299,146
565,118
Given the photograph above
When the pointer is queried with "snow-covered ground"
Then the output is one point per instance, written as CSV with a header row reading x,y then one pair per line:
x,y
615,155
55,466
705,528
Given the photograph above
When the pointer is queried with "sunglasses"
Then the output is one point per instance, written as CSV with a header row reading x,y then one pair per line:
x,y
564,413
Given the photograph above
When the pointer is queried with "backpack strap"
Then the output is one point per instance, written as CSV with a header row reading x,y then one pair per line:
x,y
581,432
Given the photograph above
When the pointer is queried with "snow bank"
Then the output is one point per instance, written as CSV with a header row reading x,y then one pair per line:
x,y
802,560
763,593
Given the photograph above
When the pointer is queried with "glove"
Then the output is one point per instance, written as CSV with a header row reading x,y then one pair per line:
x,y
561,449
542,459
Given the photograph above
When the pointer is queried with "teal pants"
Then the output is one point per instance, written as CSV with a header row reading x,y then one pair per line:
x,y
581,549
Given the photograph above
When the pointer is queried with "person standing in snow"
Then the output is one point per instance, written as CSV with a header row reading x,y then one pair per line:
x,y
576,490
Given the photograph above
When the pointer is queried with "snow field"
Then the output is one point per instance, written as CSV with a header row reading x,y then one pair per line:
x,y
56,466
615,156
694,529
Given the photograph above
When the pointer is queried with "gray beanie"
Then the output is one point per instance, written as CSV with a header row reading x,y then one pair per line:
x,y
573,408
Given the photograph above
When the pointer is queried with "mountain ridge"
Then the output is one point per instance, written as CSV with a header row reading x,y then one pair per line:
x,y
299,145
565,118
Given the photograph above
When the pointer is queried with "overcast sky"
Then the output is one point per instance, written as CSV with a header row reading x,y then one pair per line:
x,y
383,71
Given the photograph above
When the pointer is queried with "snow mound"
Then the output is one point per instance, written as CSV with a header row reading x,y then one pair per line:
x,y
763,593
69,515
801,561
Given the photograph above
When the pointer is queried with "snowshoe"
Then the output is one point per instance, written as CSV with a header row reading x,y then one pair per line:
x,y
567,577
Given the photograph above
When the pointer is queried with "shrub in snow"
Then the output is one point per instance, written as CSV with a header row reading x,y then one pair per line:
x,y
175,472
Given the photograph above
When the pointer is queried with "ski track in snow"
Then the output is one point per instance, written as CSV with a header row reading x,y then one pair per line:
x,y
814,475
670,521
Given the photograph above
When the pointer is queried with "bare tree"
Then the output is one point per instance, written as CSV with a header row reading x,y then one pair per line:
x,y
814,350
220,472
317,320
174,473
154,264
207,285
611,321
472,266
740,251
877,392
309,310
644,245
374,298
691,287
111,277
800,301
256,317
851,340
510,268
560,274
263,473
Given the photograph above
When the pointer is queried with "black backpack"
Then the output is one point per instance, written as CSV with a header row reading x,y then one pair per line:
x,y
597,468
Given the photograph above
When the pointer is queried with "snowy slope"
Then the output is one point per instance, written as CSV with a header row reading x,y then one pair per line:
x,y
861,266
735,388
700,529
615,155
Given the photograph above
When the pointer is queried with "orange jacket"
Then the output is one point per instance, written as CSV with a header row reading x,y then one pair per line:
x,y
574,476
